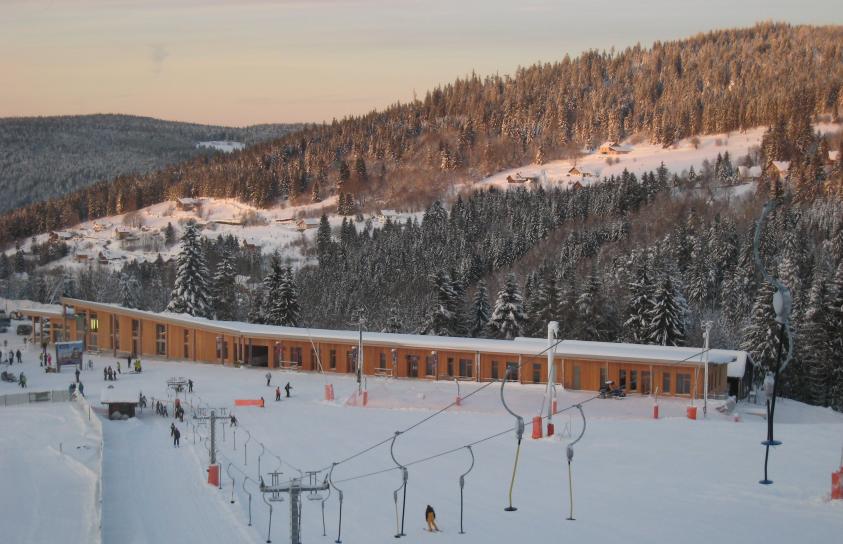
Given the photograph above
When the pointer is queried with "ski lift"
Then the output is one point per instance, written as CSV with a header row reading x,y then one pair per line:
x,y
275,481
519,434
569,453
462,485
339,493
399,528
324,500
313,494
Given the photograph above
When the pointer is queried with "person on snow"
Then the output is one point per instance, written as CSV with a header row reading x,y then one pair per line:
x,y
71,389
232,421
172,429
105,373
22,380
277,394
287,388
268,378
190,386
430,517
118,368
17,354
176,436
81,389
77,375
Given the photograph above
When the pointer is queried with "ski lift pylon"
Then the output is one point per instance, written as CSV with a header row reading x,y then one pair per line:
x,y
519,435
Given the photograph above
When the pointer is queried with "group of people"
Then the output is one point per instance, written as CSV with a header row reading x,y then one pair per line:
x,y
45,359
287,388
76,386
108,373
161,408
10,360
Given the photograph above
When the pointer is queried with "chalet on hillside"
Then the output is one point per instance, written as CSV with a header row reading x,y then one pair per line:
x,y
286,219
306,224
778,169
575,171
575,185
749,173
188,204
612,148
518,178
82,258
122,233
392,215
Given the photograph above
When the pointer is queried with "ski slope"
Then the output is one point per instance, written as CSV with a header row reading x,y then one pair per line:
x,y
635,478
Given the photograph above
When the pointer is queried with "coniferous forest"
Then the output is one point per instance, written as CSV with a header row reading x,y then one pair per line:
x,y
637,259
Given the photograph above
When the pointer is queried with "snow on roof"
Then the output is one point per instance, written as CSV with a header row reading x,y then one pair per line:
x,y
782,166
119,394
188,201
389,213
834,155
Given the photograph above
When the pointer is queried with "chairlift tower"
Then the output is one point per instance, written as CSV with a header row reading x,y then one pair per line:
x,y
294,488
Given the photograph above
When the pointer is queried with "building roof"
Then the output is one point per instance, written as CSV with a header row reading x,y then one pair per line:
x,y
118,394
782,166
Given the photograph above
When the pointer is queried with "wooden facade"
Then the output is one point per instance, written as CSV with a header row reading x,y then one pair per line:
x,y
107,328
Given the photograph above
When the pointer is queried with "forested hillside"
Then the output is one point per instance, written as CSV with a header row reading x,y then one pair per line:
x,y
720,81
48,157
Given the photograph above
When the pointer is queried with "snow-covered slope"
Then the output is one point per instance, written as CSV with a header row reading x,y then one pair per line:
x,y
644,480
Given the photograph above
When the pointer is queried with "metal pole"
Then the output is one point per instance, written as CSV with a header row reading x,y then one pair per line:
x,y
213,451
360,356
707,326
552,330
295,514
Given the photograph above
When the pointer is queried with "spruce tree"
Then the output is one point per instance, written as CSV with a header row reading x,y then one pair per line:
x,y
225,290
444,317
191,292
508,317
761,335
394,324
285,309
668,314
591,323
834,329
814,345
638,310
129,290
480,311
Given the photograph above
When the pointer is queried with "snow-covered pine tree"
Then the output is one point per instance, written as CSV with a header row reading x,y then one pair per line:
x,y
761,335
393,323
591,322
638,311
129,290
285,309
225,289
545,305
508,317
271,292
835,332
441,319
668,314
480,311
814,346
191,292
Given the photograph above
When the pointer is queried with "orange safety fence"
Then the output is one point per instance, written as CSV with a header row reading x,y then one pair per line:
x,y
249,402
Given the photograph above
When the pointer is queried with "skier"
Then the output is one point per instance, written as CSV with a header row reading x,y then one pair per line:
x,y
82,389
19,357
172,429
176,436
430,517
190,386
263,404
41,359
77,375
268,378
118,368
22,380
287,388
277,394
232,421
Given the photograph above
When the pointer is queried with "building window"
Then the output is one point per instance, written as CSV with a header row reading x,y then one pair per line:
x,y
683,384
465,367
412,366
451,367
512,371
296,355
333,359
633,380
187,344
222,348
95,323
382,361
622,379
430,365
665,382
537,373
604,375
161,339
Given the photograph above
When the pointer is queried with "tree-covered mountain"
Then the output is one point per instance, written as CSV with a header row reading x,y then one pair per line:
x,y
719,81
48,157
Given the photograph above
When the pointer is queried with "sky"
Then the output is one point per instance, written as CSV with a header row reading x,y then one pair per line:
x,y
243,62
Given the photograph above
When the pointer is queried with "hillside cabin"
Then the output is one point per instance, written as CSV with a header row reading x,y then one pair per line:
x,y
188,204
575,171
612,148
83,258
575,185
521,179
392,215
640,369
749,173
123,233
307,224
286,219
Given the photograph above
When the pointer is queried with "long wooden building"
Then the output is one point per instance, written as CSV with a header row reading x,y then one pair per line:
x,y
643,369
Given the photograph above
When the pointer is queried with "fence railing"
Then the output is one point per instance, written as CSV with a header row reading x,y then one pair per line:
x,y
26,397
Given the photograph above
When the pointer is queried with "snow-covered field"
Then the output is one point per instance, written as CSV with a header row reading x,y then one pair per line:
x,y
635,478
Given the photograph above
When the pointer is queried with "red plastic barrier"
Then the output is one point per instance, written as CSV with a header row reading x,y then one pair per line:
x,y
365,398
214,475
248,402
655,411
553,407
329,391
837,485
537,427
550,429
692,412
458,401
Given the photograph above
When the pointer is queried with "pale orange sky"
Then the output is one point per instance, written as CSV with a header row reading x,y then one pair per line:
x,y
260,61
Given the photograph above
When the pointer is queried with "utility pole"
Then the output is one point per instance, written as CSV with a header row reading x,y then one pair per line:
x,y
294,488
552,331
707,327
